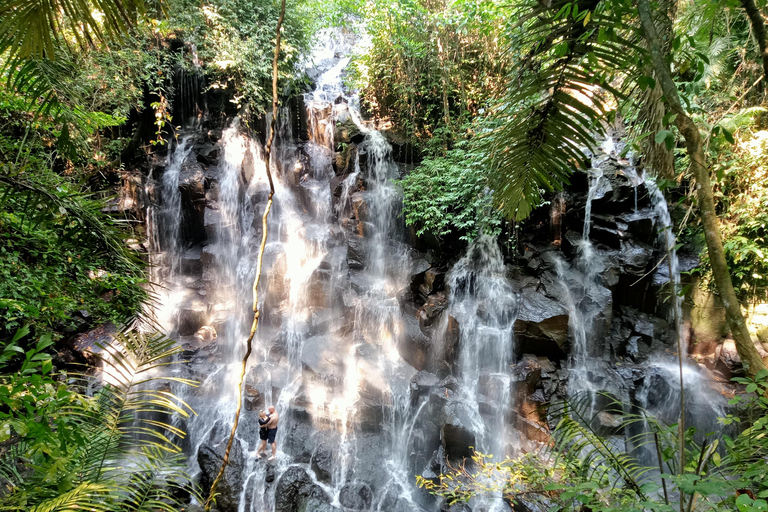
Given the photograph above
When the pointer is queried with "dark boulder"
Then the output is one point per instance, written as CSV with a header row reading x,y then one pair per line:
x,y
413,345
345,129
422,385
191,317
323,459
357,251
192,191
455,433
295,489
210,456
542,324
318,505
430,312
434,278
356,496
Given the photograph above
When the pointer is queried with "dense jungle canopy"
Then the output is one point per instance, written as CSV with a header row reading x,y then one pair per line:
x,y
496,108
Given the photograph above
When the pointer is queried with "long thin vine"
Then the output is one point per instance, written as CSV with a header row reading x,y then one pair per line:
x,y
267,208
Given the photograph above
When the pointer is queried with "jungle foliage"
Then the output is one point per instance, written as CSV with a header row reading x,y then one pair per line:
x,y
102,446
78,80
589,466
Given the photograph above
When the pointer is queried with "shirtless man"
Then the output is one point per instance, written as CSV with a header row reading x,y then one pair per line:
x,y
272,431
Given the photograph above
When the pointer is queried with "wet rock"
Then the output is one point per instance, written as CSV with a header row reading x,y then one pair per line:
x,y
191,317
357,251
317,505
191,263
206,333
421,385
207,153
456,507
640,225
299,441
254,400
455,433
294,490
322,358
526,376
541,325
393,501
210,456
360,207
211,223
419,268
432,309
405,299
372,397
356,496
532,430
413,345
323,461
547,366
637,348
635,256
451,342
192,191
270,473
434,278
345,129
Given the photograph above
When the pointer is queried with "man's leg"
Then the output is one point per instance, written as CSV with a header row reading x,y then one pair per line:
x,y
274,451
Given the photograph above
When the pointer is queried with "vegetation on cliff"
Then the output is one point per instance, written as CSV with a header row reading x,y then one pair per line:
x,y
500,99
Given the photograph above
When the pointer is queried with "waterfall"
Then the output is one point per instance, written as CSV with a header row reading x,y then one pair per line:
x,y
340,300
170,215
667,238
484,303
325,353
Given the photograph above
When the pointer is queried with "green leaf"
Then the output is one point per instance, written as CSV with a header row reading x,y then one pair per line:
x,y
728,136
646,82
662,135
47,366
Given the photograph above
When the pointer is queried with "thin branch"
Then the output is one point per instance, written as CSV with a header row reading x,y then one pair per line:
x,y
255,324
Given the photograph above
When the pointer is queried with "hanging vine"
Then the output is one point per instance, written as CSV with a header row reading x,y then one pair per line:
x,y
255,324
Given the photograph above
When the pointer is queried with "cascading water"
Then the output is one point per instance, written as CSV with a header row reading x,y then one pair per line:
x,y
484,303
325,351
357,421
668,241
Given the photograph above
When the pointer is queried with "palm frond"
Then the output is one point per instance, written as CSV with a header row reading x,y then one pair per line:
x,y
86,496
155,484
39,28
547,122
84,213
121,440
587,448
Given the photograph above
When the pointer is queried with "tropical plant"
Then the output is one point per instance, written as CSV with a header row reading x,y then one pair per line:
x,y
451,193
63,258
597,467
65,448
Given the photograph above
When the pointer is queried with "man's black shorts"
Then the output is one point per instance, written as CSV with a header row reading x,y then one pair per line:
x,y
271,433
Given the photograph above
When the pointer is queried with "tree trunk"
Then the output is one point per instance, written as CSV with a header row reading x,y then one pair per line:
x,y
758,28
750,358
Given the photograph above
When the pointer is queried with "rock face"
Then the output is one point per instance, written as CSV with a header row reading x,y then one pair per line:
x,y
192,188
542,324
295,490
370,367
357,496
210,456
